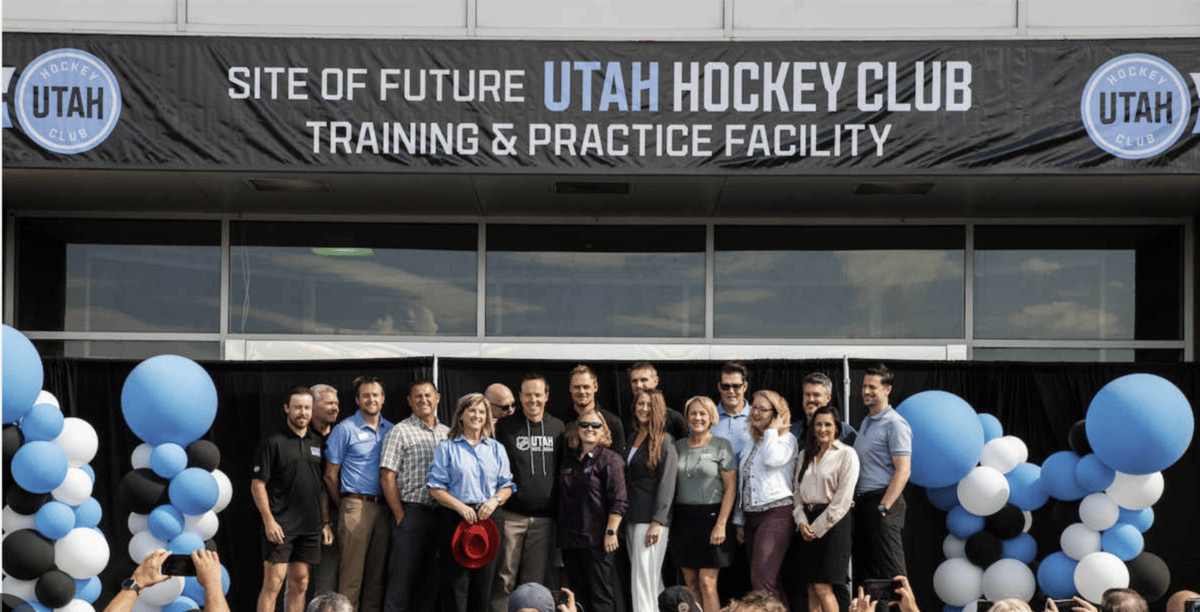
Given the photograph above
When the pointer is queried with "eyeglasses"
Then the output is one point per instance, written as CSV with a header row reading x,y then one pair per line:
x,y
504,407
590,425
757,409
730,386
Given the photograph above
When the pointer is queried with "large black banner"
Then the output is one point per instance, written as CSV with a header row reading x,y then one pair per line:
x,y
262,104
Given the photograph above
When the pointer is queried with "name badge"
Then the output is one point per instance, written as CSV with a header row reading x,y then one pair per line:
x,y
316,452
362,435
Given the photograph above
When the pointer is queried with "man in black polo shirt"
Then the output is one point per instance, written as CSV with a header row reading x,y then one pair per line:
x,y
288,491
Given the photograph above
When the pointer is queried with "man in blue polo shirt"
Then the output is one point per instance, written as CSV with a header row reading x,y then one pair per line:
x,y
884,447
352,477
733,409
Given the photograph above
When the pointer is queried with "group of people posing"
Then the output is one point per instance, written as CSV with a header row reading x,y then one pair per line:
x,y
690,487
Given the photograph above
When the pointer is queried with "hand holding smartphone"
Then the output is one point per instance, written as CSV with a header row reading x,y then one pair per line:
x,y
178,565
882,590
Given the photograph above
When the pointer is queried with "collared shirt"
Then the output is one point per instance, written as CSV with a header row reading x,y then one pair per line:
x,y
471,473
408,451
829,481
881,437
593,487
290,465
849,433
735,428
354,445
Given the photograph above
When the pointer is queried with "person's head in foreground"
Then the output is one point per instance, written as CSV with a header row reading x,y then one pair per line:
x,y
756,601
1123,600
1010,605
329,602
677,599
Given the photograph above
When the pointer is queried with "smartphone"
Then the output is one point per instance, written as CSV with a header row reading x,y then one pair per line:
x,y
560,598
178,565
1191,604
882,590
983,605
1064,605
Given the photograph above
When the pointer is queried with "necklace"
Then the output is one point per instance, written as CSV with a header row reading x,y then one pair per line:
x,y
694,451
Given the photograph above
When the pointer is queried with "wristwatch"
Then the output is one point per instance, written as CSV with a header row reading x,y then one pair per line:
x,y
883,509
131,585
609,532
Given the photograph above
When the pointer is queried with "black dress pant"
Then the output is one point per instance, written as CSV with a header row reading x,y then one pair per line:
x,y
591,574
463,589
878,549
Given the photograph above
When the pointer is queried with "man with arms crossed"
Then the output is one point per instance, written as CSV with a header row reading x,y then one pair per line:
x,y
286,488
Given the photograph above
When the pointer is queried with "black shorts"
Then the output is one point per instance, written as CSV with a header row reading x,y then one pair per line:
x,y
295,549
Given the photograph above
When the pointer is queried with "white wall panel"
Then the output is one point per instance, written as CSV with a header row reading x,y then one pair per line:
x,y
1111,13
806,15
580,16
342,14
100,11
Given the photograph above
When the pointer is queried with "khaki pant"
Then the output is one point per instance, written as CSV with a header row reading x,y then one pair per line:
x,y
363,532
526,554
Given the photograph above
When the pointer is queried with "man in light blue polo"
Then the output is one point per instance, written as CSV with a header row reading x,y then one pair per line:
x,y
352,478
733,409
884,447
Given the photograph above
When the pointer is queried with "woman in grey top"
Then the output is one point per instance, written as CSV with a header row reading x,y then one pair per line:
x,y
705,487
650,482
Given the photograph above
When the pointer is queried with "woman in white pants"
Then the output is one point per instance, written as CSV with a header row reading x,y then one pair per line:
x,y
650,486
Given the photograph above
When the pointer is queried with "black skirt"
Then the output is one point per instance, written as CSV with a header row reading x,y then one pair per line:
x,y
825,559
691,528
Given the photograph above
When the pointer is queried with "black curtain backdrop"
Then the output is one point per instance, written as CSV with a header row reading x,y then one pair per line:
x,y
1036,401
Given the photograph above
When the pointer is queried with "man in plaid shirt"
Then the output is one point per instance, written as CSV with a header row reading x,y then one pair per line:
x,y
403,466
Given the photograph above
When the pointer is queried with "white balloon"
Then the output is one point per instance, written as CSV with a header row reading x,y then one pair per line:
x,y
164,592
78,442
82,553
1028,521
1008,578
983,491
1098,511
1136,492
1004,453
225,490
143,543
20,588
1098,572
16,522
76,605
46,397
958,581
75,489
954,547
204,525
138,523
141,456
1079,541
140,605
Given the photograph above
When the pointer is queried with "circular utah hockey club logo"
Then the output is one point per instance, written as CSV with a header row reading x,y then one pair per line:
x,y
1135,106
67,101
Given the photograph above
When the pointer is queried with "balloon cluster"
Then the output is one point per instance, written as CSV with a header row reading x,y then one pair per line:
x,y
175,489
53,549
1136,426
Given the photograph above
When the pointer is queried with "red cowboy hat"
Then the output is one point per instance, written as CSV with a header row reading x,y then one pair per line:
x,y
474,546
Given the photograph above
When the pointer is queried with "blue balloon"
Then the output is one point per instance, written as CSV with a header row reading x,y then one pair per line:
x,y
42,422
943,498
1139,424
182,604
88,589
1056,576
194,491
39,467
1023,548
1025,488
37,606
165,522
169,399
168,460
1142,519
224,580
1092,474
991,427
21,368
963,524
949,608
185,543
91,473
1123,540
192,589
1058,476
947,437
88,513
54,520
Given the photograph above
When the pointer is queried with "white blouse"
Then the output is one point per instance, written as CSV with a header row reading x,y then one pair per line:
x,y
830,481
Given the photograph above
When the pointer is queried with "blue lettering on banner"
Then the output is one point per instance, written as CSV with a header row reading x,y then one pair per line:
x,y
67,101
1135,106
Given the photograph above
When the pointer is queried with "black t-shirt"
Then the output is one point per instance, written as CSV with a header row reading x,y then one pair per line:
x,y
291,466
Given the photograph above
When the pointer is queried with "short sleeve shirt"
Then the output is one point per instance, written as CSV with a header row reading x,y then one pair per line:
x,y
699,471
408,451
880,437
291,467
355,447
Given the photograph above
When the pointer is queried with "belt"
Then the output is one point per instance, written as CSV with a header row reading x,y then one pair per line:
x,y
814,507
371,498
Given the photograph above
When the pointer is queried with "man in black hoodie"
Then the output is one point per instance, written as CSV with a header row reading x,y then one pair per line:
x,y
534,441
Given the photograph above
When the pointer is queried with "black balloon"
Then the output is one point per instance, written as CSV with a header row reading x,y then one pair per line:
x,y
1063,513
1007,523
55,589
203,454
13,439
984,549
27,555
1077,438
143,490
210,544
24,502
1149,576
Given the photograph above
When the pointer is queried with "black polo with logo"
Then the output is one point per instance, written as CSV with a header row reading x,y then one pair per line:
x,y
291,466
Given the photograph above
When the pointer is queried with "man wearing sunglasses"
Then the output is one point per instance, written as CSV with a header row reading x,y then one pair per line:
x,y
733,409
500,399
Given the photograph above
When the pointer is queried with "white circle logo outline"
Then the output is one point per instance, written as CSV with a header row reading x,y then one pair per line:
x,y
1097,76
28,122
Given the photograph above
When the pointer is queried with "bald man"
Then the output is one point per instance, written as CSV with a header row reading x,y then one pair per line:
x,y
501,399
1177,601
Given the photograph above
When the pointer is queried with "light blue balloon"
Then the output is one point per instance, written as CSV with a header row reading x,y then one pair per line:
x,y
42,422
1025,488
169,398
1056,576
39,467
168,460
1142,519
182,604
88,589
947,437
1123,540
165,522
1058,476
21,368
37,606
192,589
185,543
1140,424
1023,548
963,524
89,513
1092,474
949,608
224,580
991,427
54,519
943,498
194,491
91,473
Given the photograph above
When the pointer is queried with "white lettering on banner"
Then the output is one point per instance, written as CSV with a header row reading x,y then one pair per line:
x,y
261,83
559,87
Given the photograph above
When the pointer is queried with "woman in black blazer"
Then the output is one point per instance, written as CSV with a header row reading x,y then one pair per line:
x,y
650,472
